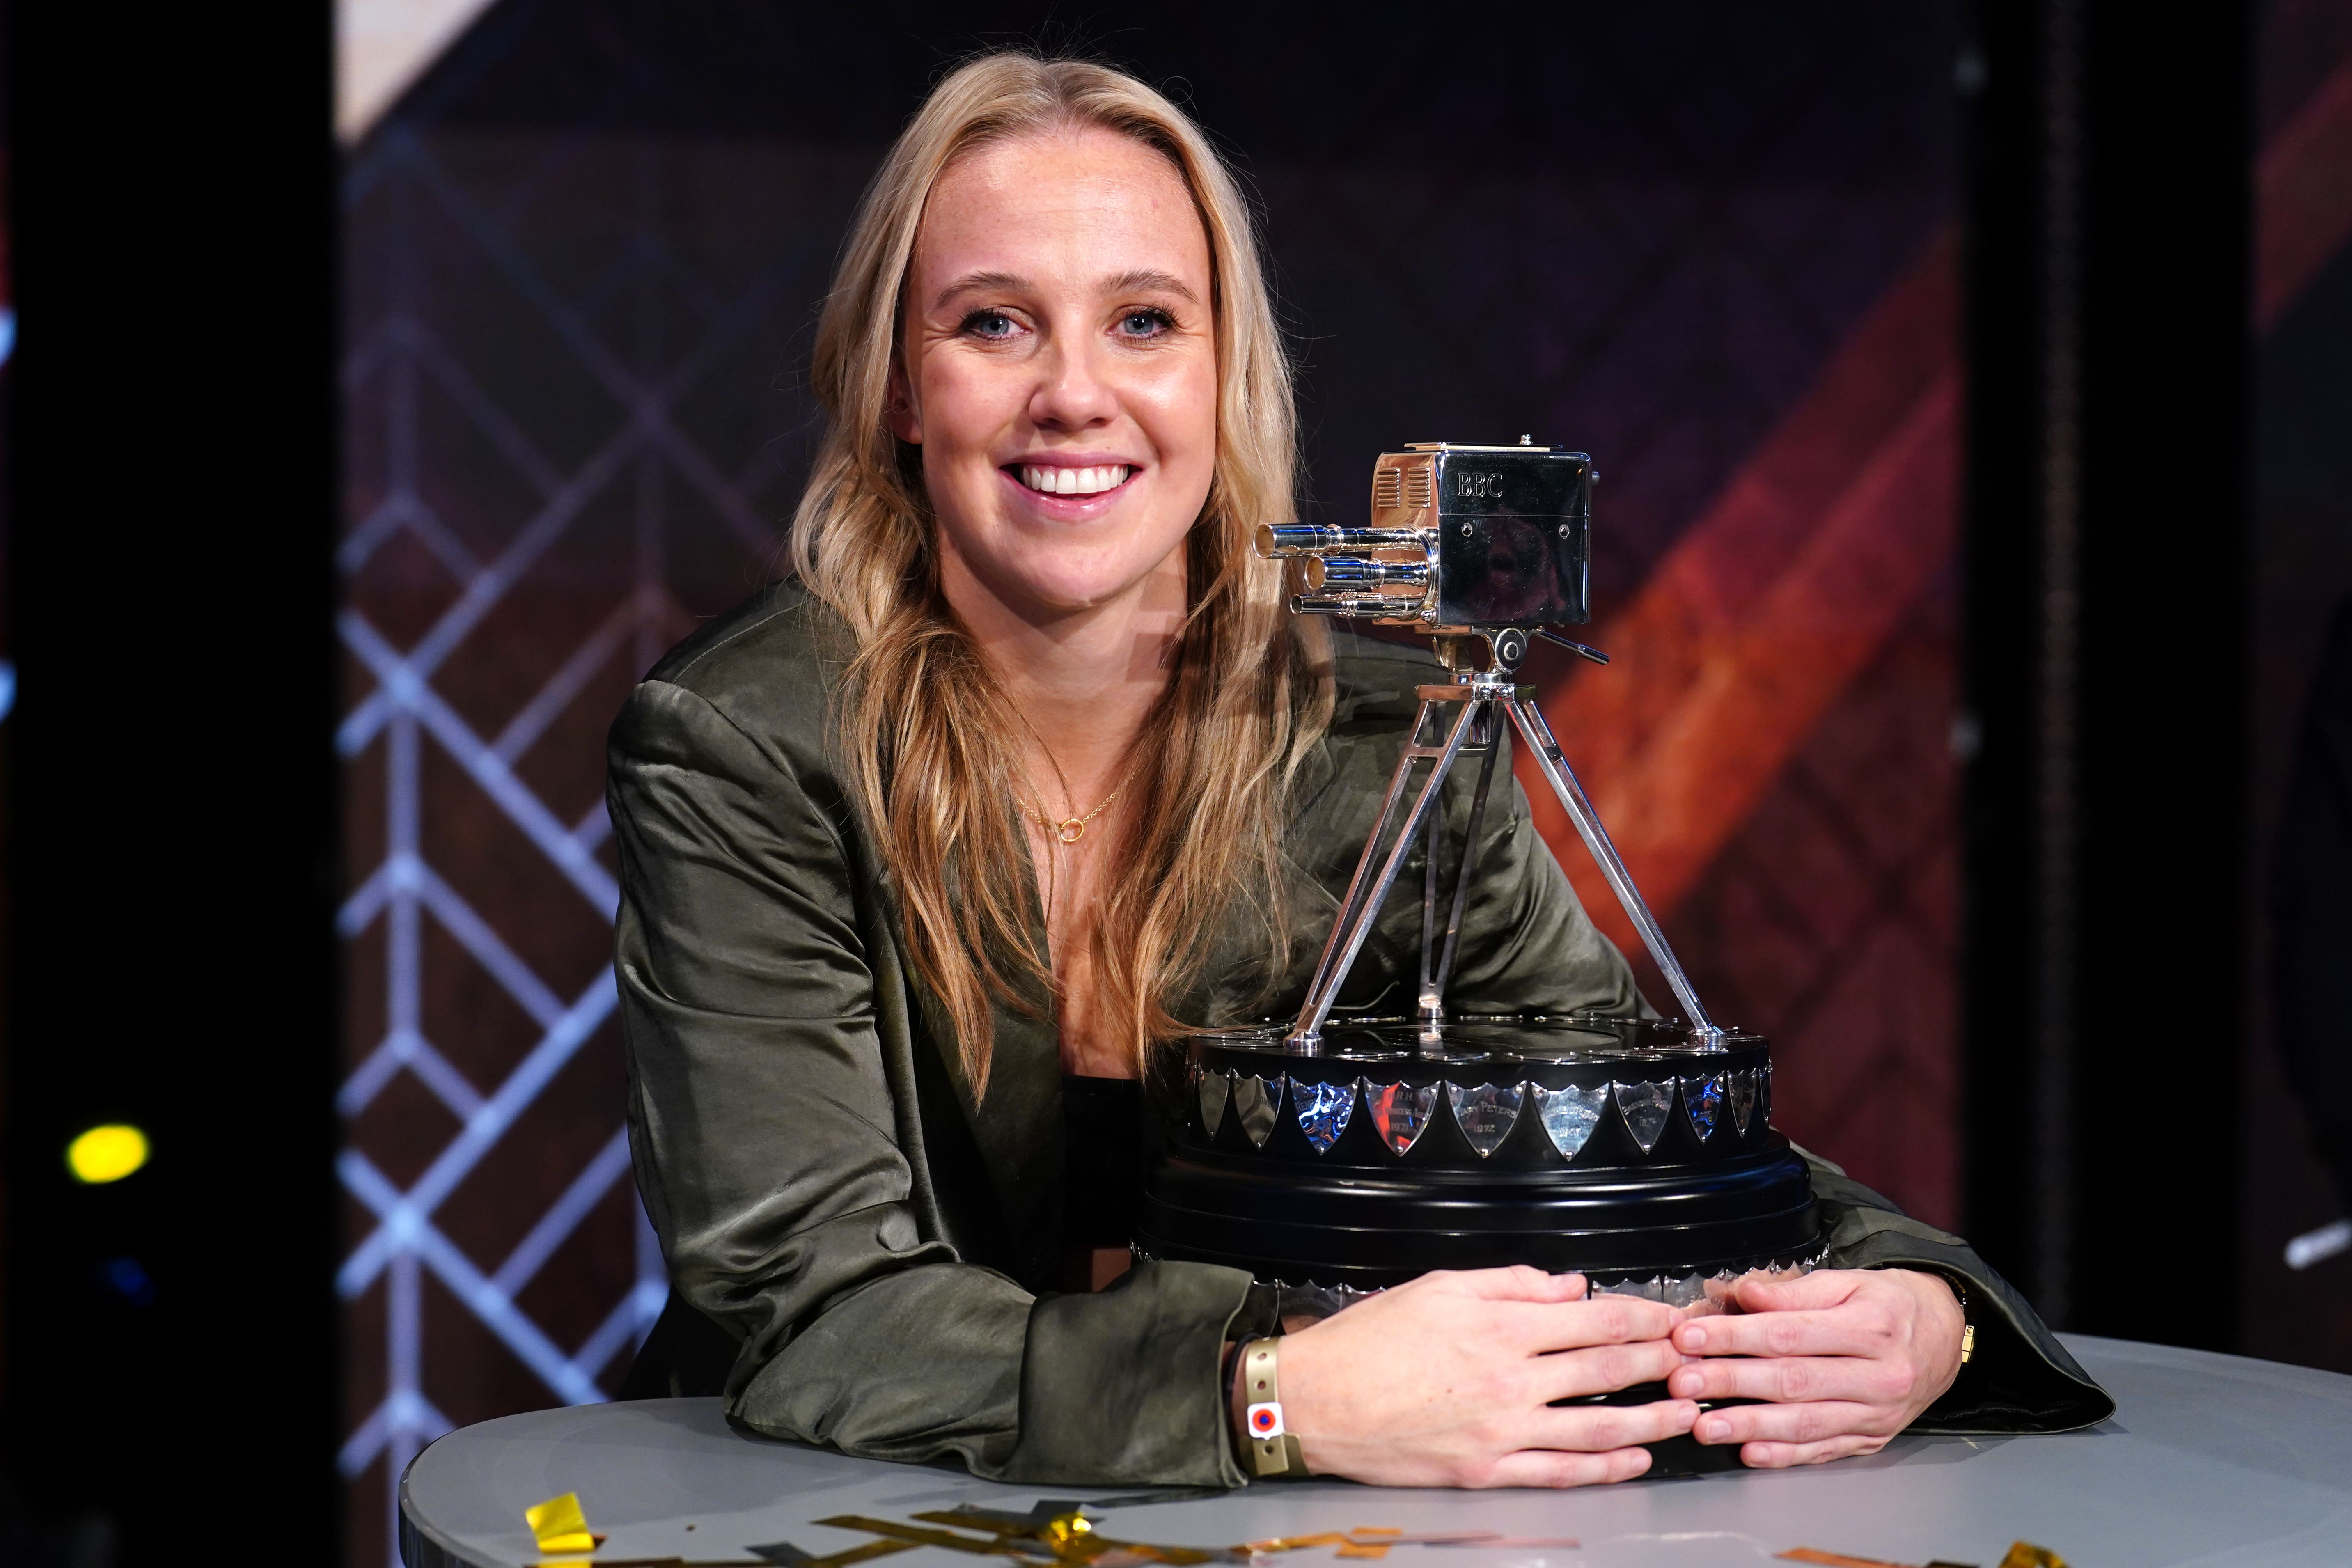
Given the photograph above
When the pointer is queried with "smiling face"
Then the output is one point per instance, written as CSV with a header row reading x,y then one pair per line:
x,y
1059,370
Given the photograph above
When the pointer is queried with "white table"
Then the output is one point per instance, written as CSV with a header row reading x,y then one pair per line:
x,y
2209,1459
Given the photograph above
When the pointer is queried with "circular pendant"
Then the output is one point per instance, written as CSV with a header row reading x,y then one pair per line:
x,y
1070,832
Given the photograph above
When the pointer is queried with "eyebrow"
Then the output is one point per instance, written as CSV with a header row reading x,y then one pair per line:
x,y
1145,280
971,280
1140,281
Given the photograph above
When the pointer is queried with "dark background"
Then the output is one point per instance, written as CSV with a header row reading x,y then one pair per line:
x,y
347,497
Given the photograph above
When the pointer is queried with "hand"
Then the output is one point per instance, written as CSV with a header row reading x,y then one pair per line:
x,y
1846,1358
1447,1382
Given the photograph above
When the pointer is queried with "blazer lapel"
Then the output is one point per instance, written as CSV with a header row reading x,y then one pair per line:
x,y
1017,1125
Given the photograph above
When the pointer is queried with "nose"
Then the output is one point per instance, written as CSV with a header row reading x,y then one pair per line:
x,y
1072,391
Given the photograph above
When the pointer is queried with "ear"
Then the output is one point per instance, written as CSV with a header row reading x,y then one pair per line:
x,y
906,419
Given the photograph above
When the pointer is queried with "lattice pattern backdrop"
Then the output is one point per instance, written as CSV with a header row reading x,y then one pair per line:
x,y
556,449
581,278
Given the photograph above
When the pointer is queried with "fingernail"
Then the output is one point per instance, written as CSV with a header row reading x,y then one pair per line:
x,y
1694,1337
1713,1429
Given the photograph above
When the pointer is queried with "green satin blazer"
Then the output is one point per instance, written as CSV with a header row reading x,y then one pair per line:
x,y
878,1246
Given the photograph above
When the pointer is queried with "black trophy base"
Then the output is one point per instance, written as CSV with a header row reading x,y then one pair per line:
x,y
1681,1224
1620,1149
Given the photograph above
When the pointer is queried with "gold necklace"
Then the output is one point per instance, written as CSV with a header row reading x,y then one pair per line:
x,y
1069,830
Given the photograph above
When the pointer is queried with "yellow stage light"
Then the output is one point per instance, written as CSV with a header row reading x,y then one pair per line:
x,y
107,1153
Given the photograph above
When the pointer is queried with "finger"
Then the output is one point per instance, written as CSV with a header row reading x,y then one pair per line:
x,y
1821,1287
1818,1422
1597,1428
1548,1468
1602,1368
1793,1379
1781,1455
1710,1306
1574,1325
1840,1331
1519,1283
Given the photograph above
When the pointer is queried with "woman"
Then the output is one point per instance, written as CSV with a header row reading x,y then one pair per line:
x,y
1027,765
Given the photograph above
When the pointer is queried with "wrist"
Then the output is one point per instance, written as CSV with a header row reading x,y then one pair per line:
x,y
1955,1334
1951,1308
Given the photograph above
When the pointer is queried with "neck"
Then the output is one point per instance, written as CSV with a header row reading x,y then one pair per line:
x,y
1084,680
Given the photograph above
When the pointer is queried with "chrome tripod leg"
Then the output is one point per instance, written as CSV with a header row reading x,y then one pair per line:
x,y
1362,905
1350,904
1530,722
1437,950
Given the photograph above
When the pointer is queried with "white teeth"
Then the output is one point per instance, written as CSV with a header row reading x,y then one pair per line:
x,y
1074,482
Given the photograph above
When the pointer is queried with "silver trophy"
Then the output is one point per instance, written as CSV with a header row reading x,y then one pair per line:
x,y
1482,548
1354,1155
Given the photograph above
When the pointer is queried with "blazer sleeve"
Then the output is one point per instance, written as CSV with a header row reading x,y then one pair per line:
x,y
773,1155
2021,1379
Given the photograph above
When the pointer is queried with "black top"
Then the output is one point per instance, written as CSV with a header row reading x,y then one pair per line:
x,y
1102,1159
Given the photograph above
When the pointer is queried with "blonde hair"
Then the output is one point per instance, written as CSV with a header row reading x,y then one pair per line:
x,y
925,732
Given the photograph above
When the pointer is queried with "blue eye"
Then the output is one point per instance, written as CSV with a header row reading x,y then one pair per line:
x,y
1145,324
989,325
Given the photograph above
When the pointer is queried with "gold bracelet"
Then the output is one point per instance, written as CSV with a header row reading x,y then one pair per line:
x,y
1273,1450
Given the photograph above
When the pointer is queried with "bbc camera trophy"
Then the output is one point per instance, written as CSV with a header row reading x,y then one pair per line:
x,y
1344,1156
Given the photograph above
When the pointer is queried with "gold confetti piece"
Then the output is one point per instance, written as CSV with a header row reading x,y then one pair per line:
x,y
1079,1546
1095,1549
864,1553
991,1546
558,1525
2025,1554
970,1518
1040,1515
1059,1533
1056,1526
